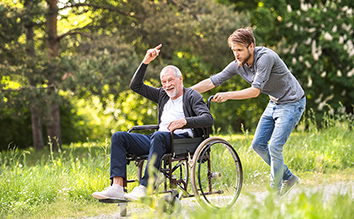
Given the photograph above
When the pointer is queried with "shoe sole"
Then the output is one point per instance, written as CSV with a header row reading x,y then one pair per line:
x,y
105,197
132,198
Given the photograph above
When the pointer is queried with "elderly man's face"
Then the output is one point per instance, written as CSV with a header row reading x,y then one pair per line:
x,y
171,84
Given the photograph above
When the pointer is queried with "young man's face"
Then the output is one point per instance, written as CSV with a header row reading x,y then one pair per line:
x,y
171,84
242,53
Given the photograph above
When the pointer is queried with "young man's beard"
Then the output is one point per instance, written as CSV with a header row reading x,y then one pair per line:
x,y
242,63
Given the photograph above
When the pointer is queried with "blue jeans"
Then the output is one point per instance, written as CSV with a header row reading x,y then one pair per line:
x,y
157,143
273,130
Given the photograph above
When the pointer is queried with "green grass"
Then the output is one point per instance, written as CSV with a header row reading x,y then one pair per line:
x,y
328,150
42,184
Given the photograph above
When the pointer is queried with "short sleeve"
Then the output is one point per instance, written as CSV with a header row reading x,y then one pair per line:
x,y
263,68
228,72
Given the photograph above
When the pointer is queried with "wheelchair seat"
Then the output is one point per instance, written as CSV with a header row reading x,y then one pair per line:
x,y
183,146
179,148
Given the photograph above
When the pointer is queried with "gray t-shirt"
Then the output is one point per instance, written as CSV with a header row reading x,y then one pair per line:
x,y
267,73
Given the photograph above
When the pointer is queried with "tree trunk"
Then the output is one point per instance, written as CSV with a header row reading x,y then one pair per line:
x,y
53,123
37,133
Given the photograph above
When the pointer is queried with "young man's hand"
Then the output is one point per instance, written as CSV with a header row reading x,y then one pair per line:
x,y
151,54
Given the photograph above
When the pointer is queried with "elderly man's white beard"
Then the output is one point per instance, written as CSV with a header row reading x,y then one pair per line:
x,y
173,93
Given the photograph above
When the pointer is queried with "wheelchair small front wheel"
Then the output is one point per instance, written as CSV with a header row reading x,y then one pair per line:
x,y
216,174
169,204
140,170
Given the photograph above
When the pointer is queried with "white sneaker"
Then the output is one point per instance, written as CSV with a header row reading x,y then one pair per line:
x,y
137,193
109,193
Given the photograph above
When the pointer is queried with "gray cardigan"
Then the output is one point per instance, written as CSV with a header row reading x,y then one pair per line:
x,y
195,110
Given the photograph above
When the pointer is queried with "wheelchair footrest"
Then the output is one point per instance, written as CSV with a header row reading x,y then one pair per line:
x,y
109,201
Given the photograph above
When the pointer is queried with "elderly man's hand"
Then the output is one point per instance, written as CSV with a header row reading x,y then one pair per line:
x,y
176,124
151,54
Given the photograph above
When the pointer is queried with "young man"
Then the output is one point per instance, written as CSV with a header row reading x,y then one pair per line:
x,y
267,73
181,110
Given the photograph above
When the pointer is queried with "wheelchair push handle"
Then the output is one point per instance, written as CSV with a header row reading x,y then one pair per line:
x,y
209,101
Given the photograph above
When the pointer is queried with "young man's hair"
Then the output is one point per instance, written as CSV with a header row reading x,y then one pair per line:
x,y
242,36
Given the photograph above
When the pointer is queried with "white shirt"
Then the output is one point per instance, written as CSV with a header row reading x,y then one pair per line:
x,y
173,110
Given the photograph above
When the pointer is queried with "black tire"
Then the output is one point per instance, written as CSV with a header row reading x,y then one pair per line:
x,y
218,186
140,170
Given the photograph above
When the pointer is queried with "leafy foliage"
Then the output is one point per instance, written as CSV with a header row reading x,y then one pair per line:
x,y
99,41
314,38
319,50
103,41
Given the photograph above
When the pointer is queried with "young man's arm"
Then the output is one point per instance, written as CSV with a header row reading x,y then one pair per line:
x,y
207,84
215,80
247,93
203,86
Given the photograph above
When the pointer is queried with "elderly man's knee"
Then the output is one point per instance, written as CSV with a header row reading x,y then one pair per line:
x,y
160,135
119,136
160,140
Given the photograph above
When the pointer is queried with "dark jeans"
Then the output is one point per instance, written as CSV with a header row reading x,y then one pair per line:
x,y
157,143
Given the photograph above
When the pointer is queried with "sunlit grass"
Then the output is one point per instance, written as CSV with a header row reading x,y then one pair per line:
x,y
301,206
43,184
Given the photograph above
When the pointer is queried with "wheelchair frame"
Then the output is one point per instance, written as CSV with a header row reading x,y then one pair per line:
x,y
193,154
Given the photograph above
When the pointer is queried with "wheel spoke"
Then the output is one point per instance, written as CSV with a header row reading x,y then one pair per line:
x,y
216,174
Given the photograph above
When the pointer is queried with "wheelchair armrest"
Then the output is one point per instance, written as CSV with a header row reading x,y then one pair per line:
x,y
143,127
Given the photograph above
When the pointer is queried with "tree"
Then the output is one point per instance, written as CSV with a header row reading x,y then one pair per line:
x,y
37,65
194,38
52,61
15,59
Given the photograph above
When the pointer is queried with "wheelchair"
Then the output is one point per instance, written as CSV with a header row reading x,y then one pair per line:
x,y
209,165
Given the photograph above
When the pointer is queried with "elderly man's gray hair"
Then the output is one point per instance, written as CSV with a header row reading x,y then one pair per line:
x,y
175,70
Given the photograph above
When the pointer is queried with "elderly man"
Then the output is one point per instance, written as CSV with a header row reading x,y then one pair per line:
x,y
181,110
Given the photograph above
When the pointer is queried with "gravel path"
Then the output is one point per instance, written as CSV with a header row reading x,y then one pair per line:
x,y
246,198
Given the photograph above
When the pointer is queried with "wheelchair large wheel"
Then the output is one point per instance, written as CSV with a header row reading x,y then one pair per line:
x,y
216,174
